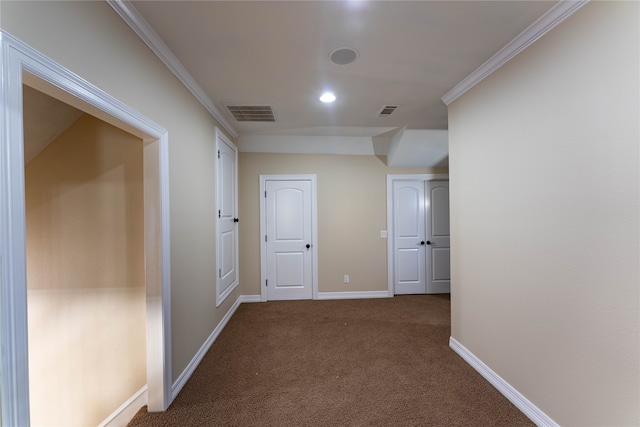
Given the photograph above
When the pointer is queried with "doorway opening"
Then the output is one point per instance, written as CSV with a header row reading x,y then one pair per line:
x,y
22,65
85,263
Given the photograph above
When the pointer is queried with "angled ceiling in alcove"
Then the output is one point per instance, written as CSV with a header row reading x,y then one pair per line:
x,y
44,118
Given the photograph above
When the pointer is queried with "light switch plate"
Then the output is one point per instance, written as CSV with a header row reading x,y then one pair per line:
x,y
383,234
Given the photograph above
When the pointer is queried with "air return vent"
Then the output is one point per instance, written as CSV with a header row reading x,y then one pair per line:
x,y
387,110
252,113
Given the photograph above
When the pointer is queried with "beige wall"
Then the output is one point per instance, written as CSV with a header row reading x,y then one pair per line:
x,y
91,40
85,269
351,213
544,218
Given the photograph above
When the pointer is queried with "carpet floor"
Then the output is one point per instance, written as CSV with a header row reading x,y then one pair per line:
x,y
377,362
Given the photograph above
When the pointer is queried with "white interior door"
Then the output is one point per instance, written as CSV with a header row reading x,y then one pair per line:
x,y
409,237
438,258
227,232
288,238
418,224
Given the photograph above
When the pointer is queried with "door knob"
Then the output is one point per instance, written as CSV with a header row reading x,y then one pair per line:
x,y
428,242
422,243
308,246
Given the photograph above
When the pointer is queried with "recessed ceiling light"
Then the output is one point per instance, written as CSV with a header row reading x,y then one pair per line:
x,y
327,97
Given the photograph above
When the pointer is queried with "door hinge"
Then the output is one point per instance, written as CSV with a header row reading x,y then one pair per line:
x,y
265,194
267,283
220,273
218,153
265,237
219,213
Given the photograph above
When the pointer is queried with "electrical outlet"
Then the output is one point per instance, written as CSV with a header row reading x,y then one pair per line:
x,y
346,278
383,234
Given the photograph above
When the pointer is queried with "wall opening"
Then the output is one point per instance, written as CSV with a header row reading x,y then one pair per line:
x,y
23,65
85,263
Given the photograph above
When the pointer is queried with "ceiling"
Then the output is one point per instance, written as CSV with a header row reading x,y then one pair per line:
x,y
44,119
277,53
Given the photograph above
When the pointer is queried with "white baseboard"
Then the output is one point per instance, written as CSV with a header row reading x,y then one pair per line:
x,y
529,409
191,367
121,416
250,298
353,295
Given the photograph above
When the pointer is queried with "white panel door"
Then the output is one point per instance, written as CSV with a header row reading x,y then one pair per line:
x,y
409,237
227,233
438,258
288,240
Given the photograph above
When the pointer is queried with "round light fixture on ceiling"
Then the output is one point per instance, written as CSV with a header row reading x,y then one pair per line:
x,y
344,56
327,97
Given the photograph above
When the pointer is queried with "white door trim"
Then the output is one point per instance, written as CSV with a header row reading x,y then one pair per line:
x,y
263,229
391,178
20,64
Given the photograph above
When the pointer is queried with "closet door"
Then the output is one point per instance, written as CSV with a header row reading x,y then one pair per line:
x,y
420,230
227,230
409,237
438,258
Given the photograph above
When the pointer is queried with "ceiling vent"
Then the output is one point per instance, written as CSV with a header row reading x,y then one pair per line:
x,y
252,113
387,110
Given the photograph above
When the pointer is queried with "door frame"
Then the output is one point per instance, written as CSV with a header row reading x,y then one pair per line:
x,y
20,64
314,229
391,178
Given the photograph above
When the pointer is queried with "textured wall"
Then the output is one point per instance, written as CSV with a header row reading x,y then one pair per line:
x,y
544,219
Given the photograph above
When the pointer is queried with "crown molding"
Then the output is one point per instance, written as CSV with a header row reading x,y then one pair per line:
x,y
544,24
141,27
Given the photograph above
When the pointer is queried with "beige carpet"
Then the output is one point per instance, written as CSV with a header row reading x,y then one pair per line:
x,y
378,362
